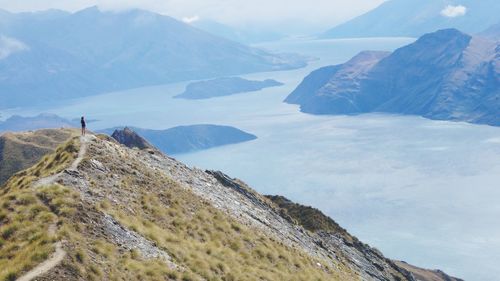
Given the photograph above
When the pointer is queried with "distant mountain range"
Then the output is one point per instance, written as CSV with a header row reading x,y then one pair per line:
x,y
413,18
493,32
18,123
224,87
46,56
445,75
183,139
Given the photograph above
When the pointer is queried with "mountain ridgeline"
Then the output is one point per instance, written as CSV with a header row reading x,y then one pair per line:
x,y
50,55
97,210
17,123
414,18
445,75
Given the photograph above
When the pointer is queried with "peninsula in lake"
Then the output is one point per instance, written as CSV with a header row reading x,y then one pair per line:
x,y
184,139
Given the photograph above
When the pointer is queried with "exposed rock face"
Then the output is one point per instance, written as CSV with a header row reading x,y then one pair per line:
x,y
446,75
130,139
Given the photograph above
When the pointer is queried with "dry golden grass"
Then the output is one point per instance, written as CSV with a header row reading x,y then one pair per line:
x,y
25,219
19,151
26,214
206,243
210,244
50,164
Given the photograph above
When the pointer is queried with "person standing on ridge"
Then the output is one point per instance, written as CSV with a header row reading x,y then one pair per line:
x,y
84,125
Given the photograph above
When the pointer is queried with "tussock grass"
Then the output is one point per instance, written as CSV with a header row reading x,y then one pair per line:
x,y
19,151
26,214
207,242
49,165
25,241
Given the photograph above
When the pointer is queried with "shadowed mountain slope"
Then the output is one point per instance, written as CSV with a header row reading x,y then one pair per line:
x,y
52,55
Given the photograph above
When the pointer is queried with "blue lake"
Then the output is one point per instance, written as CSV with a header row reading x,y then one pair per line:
x,y
419,190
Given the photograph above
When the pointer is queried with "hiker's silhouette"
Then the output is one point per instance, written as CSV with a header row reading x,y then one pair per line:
x,y
84,125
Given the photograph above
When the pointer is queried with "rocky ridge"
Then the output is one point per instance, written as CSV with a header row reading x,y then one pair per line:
x,y
141,215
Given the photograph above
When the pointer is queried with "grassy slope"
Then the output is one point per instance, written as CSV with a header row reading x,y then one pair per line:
x,y
206,243
310,218
26,214
19,151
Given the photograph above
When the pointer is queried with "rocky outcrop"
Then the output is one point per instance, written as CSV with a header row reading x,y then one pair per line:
x,y
445,75
131,139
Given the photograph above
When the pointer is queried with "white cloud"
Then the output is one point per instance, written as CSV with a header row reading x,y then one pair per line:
x,y
451,11
190,20
8,46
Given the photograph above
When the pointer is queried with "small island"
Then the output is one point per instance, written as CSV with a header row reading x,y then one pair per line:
x,y
225,87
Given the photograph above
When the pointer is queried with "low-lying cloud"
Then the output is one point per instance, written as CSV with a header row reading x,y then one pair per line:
x,y
451,11
9,46
190,20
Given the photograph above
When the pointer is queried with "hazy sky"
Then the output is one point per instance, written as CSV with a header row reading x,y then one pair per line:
x,y
226,11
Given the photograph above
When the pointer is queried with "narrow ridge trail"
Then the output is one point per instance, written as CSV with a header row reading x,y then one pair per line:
x,y
59,253
81,153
